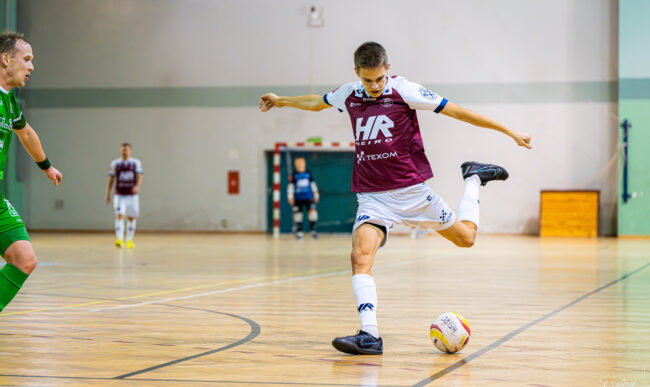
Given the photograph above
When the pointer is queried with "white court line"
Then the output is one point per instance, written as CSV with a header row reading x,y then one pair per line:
x,y
284,281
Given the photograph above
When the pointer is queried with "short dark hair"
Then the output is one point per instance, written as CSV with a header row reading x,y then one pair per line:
x,y
126,144
8,41
370,55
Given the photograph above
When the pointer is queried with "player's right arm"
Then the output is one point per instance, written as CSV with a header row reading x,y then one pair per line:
x,y
111,180
305,102
291,188
109,185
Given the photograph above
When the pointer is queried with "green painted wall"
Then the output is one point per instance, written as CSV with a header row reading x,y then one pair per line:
x,y
8,14
634,105
10,186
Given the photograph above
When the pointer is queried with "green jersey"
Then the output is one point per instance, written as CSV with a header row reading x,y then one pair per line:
x,y
10,118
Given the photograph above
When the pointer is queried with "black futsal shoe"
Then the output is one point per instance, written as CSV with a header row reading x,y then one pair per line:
x,y
362,343
486,172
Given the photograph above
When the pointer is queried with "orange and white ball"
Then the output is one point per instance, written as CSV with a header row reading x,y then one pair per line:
x,y
450,332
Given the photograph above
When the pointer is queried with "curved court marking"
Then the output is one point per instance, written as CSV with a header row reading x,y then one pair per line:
x,y
228,290
517,331
186,289
255,331
253,286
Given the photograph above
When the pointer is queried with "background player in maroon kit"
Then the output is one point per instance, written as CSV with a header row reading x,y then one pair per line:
x,y
126,172
390,170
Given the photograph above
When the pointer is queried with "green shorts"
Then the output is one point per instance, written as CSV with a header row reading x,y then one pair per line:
x,y
12,228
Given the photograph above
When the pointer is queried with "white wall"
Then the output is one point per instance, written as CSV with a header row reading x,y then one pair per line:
x,y
187,151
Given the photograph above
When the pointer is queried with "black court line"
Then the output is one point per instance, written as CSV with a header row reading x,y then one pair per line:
x,y
514,333
201,381
255,331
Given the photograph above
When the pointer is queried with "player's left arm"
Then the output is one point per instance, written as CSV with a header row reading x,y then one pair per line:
x,y
32,144
138,183
460,113
314,189
138,177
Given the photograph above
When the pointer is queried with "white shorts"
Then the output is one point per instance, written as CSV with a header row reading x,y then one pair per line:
x,y
417,205
127,205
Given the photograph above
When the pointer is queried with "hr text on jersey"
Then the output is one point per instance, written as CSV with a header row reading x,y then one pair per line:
x,y
127,176
373,126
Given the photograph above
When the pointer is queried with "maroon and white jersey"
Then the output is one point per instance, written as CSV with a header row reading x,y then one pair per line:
x,y
389,148
125,172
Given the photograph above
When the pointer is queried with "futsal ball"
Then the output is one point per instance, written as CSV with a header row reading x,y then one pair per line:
x,y
450,332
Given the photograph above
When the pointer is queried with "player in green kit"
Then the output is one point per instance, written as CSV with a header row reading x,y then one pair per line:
x,y
15,67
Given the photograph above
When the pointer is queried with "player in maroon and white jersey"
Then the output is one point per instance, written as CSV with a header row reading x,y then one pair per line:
x,y
126,172
390,170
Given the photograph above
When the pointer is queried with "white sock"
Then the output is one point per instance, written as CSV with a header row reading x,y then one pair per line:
x,y
130,229
365,292
468,208
119,228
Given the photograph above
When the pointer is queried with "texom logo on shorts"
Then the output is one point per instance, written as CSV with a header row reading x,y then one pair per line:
x,y
362,217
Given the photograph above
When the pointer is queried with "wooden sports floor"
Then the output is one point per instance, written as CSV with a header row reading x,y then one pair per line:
x,y
247,310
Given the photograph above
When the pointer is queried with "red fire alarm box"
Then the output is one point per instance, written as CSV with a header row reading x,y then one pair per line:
x,y
233,182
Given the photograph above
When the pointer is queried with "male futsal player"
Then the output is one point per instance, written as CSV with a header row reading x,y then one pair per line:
x,y
302,192
127,174
15,67
390,169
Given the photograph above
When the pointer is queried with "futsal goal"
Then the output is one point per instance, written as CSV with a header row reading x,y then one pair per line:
x,y
288,148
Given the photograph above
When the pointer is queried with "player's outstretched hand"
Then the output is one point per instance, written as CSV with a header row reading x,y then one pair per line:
x,y
54,175
268,100
522,139
107,199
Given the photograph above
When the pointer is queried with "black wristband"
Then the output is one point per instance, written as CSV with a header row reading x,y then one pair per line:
x,y
45,164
